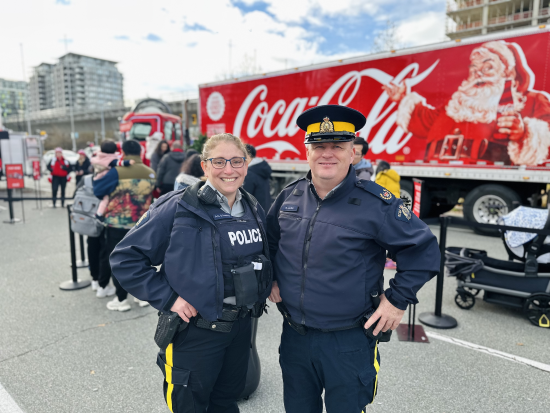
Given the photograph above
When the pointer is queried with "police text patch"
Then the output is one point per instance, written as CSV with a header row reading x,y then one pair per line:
x,y
144,218
222,216
289,208
402,213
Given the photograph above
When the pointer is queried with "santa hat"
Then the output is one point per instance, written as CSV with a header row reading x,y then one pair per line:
x,y
513,58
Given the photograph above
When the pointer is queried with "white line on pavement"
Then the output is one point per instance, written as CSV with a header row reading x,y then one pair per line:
x,y
7,404
490,351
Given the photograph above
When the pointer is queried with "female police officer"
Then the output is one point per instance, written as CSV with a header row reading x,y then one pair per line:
x,y
210,239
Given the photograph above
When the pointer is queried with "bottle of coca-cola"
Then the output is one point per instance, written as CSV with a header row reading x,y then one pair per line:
x,y
506,104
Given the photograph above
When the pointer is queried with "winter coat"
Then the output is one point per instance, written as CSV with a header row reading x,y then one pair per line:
x,y
257,182
84,166
185,180
169,167
364,170
389,179
155,160
60,168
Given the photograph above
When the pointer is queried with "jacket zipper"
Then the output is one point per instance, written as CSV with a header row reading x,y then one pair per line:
x,y
214,246
305,258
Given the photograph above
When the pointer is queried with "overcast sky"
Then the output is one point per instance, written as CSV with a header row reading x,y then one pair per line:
x,y
167,47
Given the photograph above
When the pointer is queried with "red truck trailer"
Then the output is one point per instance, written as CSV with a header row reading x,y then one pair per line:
x,y
469,118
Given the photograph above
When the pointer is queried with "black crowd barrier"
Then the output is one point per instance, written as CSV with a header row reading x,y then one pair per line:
x,y
74,283
437,319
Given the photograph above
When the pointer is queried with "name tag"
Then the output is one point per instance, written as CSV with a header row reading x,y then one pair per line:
x,y
222,216
289,208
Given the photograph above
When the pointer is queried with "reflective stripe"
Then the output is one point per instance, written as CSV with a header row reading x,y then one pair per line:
x,y
377,368
168,368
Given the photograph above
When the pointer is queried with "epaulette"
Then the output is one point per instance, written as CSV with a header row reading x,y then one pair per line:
x,y
377,190
167,197
294,182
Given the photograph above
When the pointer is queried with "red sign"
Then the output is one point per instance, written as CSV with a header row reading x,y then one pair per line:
x,y
445,105
36,170
14,176
417,196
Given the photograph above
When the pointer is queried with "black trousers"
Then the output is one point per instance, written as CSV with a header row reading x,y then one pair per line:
x,y
344,363
94,250
205,371
58,181
112,236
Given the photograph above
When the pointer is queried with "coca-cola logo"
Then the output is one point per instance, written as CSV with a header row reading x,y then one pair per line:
x,y
261,117
215,106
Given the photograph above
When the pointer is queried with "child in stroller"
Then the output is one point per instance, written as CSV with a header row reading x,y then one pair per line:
x,y
521,282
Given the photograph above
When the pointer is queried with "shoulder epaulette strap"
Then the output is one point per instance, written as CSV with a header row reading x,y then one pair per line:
x,y
294,182
377,190
167,197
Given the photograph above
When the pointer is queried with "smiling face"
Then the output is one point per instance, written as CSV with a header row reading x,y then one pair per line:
x,y
330,161
228,179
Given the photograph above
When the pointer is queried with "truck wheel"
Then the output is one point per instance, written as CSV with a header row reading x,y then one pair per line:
x,y
487,203
407,192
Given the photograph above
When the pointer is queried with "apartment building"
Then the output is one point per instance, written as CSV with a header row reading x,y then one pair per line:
x,y
87,82
13,97
468,18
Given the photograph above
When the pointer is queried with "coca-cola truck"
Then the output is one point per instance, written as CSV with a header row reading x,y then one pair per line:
x,y
468,118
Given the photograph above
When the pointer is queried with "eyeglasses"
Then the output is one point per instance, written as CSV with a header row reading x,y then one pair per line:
x,y
219,163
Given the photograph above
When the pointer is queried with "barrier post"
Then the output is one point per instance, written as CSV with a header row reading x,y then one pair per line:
x,y
83,261
74,283
437,319
12,220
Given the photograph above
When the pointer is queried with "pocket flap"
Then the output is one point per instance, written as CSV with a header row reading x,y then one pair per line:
x,y
367,375
173,375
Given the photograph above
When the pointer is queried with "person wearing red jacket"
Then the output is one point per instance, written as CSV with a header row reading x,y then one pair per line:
x,y
60,168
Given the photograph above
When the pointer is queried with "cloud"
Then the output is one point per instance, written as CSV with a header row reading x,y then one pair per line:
x,y
424,29
196,27
63,2
122,38
153,38
192,44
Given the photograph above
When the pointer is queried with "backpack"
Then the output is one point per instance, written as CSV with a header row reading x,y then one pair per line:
x,y
83,220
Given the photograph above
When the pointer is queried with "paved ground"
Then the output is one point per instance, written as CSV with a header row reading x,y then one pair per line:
x,y
65,352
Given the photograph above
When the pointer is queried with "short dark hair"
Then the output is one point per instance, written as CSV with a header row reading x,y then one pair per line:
x,y
251,150
131,147
108,146
192,166
382,166
363,143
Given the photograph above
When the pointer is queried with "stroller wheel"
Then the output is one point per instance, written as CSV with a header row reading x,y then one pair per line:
x,y
473,291
465,300
537,309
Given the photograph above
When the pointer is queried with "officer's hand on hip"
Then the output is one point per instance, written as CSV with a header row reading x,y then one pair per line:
x,y
275,296
184,309
389,316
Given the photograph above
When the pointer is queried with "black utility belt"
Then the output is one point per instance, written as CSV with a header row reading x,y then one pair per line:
x,y
230,313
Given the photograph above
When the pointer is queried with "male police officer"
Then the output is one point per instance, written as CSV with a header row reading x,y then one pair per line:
x,y
328,235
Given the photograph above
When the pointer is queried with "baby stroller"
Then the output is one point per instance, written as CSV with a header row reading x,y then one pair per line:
x,y
521,282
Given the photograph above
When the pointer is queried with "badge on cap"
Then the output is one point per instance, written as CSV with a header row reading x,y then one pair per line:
x,y
326,126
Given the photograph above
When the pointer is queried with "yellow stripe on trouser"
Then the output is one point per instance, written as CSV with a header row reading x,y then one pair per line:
x,y
168,367
377,367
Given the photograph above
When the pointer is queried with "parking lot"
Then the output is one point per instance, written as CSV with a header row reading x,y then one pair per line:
x,y
63,351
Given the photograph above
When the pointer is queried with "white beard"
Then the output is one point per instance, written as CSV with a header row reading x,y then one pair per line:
x,y
480,104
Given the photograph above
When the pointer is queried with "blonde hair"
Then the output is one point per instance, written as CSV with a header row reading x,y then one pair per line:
x,y
214,140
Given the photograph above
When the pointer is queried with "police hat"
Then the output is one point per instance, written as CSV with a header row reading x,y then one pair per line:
x,y
330,123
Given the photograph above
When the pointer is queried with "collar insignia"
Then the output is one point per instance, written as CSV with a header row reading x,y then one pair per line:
x,y
326,126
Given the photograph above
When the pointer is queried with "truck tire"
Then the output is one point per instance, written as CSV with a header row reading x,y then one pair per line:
x,y
487,203
407,191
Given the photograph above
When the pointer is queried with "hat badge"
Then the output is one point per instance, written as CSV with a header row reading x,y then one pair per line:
x,y
326,126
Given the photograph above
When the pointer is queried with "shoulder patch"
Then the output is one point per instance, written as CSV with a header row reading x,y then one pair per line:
x,y
377,190
402,213
143,220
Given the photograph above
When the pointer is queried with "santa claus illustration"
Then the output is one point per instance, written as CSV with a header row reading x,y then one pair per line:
x,y
495,115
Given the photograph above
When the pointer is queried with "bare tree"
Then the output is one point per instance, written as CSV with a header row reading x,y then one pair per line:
x,y
387,39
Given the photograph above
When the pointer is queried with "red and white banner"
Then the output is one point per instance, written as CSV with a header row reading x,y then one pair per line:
x,y
417,196
438,106
36,170
14,176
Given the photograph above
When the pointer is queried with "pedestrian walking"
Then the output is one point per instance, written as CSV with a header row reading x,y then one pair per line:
x,y
258,179
59,168
82,167
130,194
363,168
328,257
191,172
211,242
169,168
161,149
